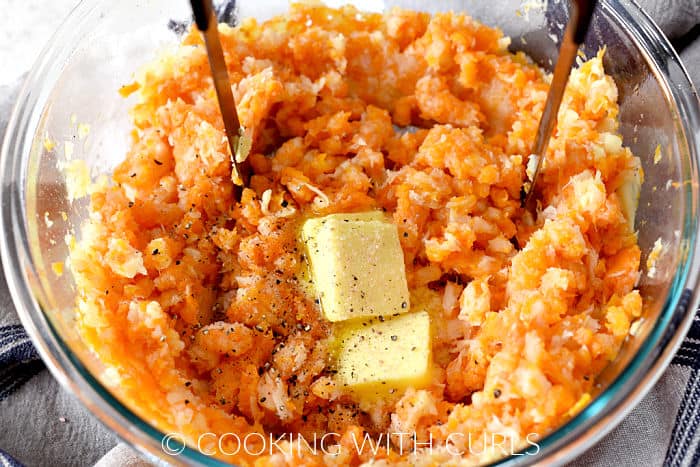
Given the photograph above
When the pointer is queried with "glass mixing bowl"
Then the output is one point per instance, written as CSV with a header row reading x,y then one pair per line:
x,y
97,49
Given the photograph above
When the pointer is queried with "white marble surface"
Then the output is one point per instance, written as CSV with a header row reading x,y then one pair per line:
x,y
27,25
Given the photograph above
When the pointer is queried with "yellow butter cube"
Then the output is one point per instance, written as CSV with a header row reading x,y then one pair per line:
x,y
354,217
357,265
379,356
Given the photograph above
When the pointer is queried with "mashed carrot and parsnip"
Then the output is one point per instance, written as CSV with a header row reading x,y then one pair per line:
x,y
367,283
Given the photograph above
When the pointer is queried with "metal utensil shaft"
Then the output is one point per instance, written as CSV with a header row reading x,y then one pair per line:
x,y
205,18
574,35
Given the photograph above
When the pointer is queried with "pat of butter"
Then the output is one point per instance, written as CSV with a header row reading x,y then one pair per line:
x,y
353,217
379,356
357,265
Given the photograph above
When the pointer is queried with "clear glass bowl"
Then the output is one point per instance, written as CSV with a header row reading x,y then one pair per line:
x,y
97,49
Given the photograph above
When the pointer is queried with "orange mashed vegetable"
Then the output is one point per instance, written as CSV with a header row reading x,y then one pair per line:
x,y
195,302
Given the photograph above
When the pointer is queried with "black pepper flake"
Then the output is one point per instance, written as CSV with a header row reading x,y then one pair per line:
x,y
177,262
157,162
188,384
131,204
405,235
187,401
496,393
404,305
380,318
263,399
133,175
284,203
155,251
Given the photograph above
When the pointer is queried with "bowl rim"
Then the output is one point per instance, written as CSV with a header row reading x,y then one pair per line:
x,y
559,446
